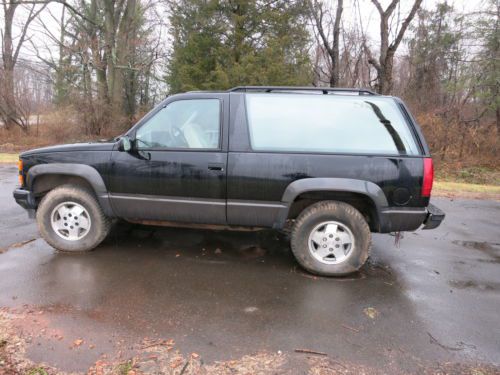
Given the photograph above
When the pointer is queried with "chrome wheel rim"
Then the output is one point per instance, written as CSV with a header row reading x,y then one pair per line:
x,y
331,242
70,221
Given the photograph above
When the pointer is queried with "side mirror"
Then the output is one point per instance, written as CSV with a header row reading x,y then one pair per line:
x,y
124,144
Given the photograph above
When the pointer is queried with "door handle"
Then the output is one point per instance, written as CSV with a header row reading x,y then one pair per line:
x,y
216,166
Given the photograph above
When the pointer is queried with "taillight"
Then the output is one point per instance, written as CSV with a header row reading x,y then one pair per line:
x,y
20,168
428,177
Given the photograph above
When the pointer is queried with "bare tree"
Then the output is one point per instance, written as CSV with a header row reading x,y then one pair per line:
x,y
385,63
330,45
9,110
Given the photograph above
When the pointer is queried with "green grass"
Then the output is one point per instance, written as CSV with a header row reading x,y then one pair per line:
x,y
124,368
37,371
471,175
452,186
9,158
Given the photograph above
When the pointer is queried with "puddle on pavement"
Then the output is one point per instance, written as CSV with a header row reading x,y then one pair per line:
x,y
490,248
484,246
470,284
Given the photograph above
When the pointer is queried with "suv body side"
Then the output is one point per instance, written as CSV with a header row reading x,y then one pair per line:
x,y
251,188
263,186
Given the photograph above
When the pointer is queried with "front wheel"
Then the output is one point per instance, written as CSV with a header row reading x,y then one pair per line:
x,y
70,219
331,238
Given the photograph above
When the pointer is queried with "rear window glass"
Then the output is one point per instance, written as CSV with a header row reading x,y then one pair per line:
x,y
328,123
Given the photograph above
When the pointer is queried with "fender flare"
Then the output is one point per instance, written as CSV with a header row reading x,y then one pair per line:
x,y
88,173
367,188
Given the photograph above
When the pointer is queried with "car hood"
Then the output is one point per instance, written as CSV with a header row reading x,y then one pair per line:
x,y
87,146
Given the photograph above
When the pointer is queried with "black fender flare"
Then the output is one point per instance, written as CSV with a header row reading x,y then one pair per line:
x,y
351,185
88,173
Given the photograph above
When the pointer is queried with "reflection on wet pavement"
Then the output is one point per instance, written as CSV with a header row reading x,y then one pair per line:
x,y
228,294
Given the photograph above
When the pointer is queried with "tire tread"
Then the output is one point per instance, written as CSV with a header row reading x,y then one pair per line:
x,y
82,194
319,208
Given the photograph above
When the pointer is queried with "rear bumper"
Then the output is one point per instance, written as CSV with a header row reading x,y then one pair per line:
x,y
434,217
26,200
409,219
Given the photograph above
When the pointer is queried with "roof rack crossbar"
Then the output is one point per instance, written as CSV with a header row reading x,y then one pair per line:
x,y
324,90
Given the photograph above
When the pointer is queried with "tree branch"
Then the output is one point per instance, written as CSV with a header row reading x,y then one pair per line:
x,y
416,5
30,19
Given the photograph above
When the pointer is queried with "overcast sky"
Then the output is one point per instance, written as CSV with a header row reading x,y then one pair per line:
x,y
370,17
352,12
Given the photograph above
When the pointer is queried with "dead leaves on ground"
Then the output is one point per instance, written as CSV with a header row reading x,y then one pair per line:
x,y
371,312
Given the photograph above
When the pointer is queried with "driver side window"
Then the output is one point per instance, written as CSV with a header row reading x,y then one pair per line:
x,y
192,123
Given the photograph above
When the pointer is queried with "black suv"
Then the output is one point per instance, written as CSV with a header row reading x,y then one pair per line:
x,y
333,165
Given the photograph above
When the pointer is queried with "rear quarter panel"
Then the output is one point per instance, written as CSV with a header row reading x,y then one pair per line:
x,y
265,176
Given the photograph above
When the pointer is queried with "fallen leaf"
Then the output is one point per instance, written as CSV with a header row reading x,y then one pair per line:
x,y
176,363
195,355
371,312
78,342
22,243
350,328
309,351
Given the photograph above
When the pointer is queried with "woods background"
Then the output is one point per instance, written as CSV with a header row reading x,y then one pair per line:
x,y
80,69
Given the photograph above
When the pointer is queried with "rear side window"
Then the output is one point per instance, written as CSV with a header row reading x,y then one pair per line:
x,y
328,123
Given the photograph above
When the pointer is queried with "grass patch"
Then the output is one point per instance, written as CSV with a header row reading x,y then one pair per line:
x,y
478,175
465,187
124,368
9,158
37,371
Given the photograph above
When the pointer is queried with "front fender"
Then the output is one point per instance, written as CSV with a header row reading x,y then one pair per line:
x,y
88,173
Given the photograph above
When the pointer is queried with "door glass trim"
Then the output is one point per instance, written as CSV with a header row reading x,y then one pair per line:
x,y
187,149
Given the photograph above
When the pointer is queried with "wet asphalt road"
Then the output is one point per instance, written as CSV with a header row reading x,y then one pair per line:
x,y
227,294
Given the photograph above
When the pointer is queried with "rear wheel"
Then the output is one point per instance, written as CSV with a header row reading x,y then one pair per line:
x,y
331,238
70,219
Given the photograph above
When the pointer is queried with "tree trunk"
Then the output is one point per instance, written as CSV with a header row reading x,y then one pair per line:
x,y
335,78
8,107
125,53
61,92
385,63
332,48
497,116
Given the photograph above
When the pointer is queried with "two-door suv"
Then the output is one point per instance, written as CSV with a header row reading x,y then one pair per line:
x,y
333,165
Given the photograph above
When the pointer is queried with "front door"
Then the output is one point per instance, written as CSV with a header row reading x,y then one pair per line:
x,y
176,170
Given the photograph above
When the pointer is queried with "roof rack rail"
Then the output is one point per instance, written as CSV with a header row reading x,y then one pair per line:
x,y
324,90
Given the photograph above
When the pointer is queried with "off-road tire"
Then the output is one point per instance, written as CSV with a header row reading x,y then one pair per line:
x,y
100,224
331,211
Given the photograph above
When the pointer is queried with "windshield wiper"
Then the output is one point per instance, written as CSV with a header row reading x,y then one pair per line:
x,y
390,129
